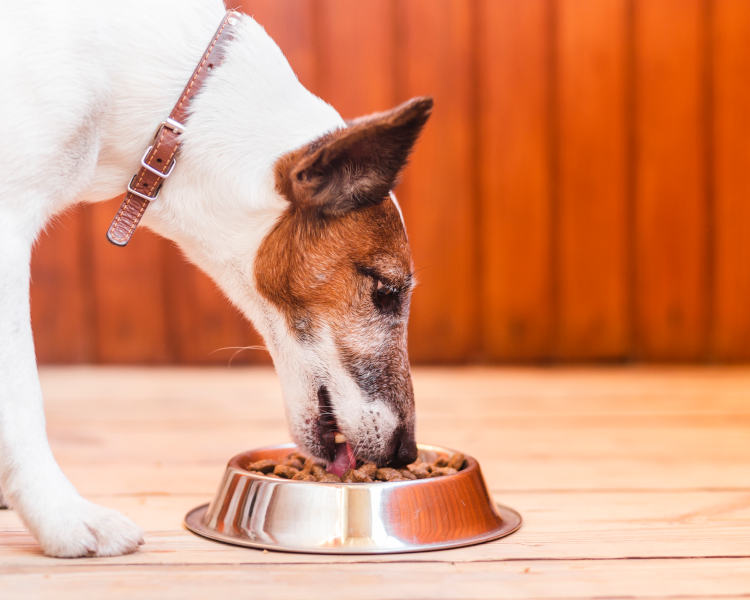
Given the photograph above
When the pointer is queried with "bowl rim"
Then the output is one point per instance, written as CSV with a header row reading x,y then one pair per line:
x,y
234,463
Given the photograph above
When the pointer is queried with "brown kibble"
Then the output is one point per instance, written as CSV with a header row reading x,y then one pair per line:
x,y
457,461
442,461
264,466
294,463
387,474
285,471
441,471
299,467
368,469
407,474
419,469
355,476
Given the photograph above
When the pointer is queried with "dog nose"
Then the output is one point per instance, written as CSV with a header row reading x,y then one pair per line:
x,y
406,448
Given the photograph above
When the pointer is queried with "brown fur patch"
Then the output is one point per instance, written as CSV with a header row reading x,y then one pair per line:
x,y
354,166
310,267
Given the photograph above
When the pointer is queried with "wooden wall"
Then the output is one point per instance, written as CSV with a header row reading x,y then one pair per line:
x,y
582,191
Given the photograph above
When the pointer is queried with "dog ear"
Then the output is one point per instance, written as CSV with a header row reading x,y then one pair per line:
x,y
356,166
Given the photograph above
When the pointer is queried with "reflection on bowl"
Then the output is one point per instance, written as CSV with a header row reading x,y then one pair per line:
x,y
351,518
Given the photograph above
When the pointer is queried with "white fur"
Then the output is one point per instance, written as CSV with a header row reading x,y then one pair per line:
x,y
85,85
398,208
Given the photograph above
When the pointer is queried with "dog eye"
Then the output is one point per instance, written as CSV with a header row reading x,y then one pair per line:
x,y
386,298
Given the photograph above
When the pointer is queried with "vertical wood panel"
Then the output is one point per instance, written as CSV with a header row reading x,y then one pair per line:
x,y
292,24
593,237
671,213
356,54
130,319
515,224
731,339
435,58
60,293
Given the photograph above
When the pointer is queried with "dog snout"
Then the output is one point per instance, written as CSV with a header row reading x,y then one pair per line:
x,y
405,447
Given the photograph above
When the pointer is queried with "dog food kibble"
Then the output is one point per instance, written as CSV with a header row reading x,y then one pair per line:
x,y
264,466
419,469
457,461
388,474
440,471
299,467
285,471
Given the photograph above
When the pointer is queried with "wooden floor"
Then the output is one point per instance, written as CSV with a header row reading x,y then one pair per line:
x,y
633,482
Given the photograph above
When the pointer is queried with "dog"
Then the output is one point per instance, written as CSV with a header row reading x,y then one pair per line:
x,y
283,203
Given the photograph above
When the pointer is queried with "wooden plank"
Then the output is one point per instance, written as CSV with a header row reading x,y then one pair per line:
x,y
492,391
670,188
514,194
592,258
731,103
578,525
699,578
356,53
61,297
531,429
129,291
435,50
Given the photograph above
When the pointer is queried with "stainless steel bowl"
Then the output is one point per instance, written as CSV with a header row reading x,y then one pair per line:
x,y
351,518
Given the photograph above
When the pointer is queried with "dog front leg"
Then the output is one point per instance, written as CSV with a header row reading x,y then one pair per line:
x,y
64,523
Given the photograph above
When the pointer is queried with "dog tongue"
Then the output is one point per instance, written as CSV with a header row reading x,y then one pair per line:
x,y
344,460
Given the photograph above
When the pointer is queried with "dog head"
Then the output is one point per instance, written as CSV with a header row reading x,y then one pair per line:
x,y
335,277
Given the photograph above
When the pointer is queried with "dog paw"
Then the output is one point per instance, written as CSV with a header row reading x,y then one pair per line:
x,y
3,503
86,529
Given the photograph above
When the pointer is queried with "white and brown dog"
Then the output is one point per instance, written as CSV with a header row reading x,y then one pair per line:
x,y
278,199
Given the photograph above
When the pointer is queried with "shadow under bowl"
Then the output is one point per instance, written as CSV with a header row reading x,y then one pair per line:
x,y
351,518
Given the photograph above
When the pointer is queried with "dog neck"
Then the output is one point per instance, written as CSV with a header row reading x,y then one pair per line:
x,y
221,200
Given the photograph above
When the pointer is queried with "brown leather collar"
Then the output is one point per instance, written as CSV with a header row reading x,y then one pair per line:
x,y
158,161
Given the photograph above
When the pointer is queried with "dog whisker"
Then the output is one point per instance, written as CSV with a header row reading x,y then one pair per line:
x,y
238,350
